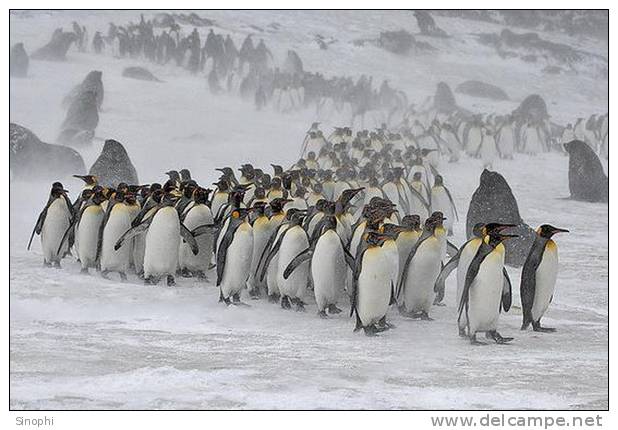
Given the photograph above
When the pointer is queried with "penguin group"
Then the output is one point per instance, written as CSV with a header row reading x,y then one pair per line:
x,y
363,218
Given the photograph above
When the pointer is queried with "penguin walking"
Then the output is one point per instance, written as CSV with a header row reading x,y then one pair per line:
x,y
482,295
538,278
329,257
421,269
372,292
197,215
442,201
53,221
234,257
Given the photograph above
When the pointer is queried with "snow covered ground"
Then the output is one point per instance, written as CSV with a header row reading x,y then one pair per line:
x,y
84,342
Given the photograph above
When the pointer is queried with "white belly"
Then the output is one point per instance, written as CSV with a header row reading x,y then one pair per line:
x,y
374,290
198,215
162,240
328,269
88,234
486,294
118,223
237,261
405,242
261,234
55,225
422,273
294,242
545,282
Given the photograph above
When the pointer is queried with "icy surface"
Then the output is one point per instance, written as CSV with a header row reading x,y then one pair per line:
x,y
84,342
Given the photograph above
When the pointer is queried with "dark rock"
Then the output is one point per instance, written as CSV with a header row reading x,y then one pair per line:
x,y
92,82
444,101
56,49
587,180
493,201
482,90
114,165
82,116
32,159
18,61
139,73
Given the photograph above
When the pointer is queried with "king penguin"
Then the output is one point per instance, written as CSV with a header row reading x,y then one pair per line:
x,y
538,278
53,221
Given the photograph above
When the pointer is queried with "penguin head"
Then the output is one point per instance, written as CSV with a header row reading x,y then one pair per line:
x,y
434,221
411,222
129,198
547,231
277,204
438,181
259,208
200,195
296,216
417,176
173,175
123,186
493,227
98,197
495,237
88,179
390,230
86,194
58,190
185,175
374,238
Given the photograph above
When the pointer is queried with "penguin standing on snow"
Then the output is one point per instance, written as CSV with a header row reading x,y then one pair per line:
x,y
481,298
407,238
234,257
163,232
198,214
442,201
421,269
328,266
538,277
371,290
53,221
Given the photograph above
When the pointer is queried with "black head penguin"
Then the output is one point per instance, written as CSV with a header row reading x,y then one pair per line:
x,y
185,175
483,291
421,269
89,180
538,277
53,221
372,291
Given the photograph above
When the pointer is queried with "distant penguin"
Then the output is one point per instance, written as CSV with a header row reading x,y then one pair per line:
x,y
587,180
18,61
442,201
415,291
234,257
482,295
488,151
538,278
371,290
53,221
114,165
506,140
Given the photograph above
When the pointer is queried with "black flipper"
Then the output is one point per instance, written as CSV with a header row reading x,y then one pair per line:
x,y
358,267
420,197
297,261
451,250
110,206
446,271
507,292
132,232
527,287
448,193
40,221
225,244
393,300
404,274
189,238
267,247
271,254
349,259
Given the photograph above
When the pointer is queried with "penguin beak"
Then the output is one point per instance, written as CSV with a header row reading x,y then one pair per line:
x,y
559,230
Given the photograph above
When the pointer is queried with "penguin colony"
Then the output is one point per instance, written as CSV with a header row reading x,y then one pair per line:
x,y
365,216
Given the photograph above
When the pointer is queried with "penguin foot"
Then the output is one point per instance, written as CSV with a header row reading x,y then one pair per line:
x,y
46,264
474,341
186,273
140,275
285,303
539,328
151,280
497,337
371,330
104,274
255,294
333,309
201,276
403,312
300,306
383,325
462,332
123,276
322,314
57,265
84,271
273,298
170,281
436,303
424,316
